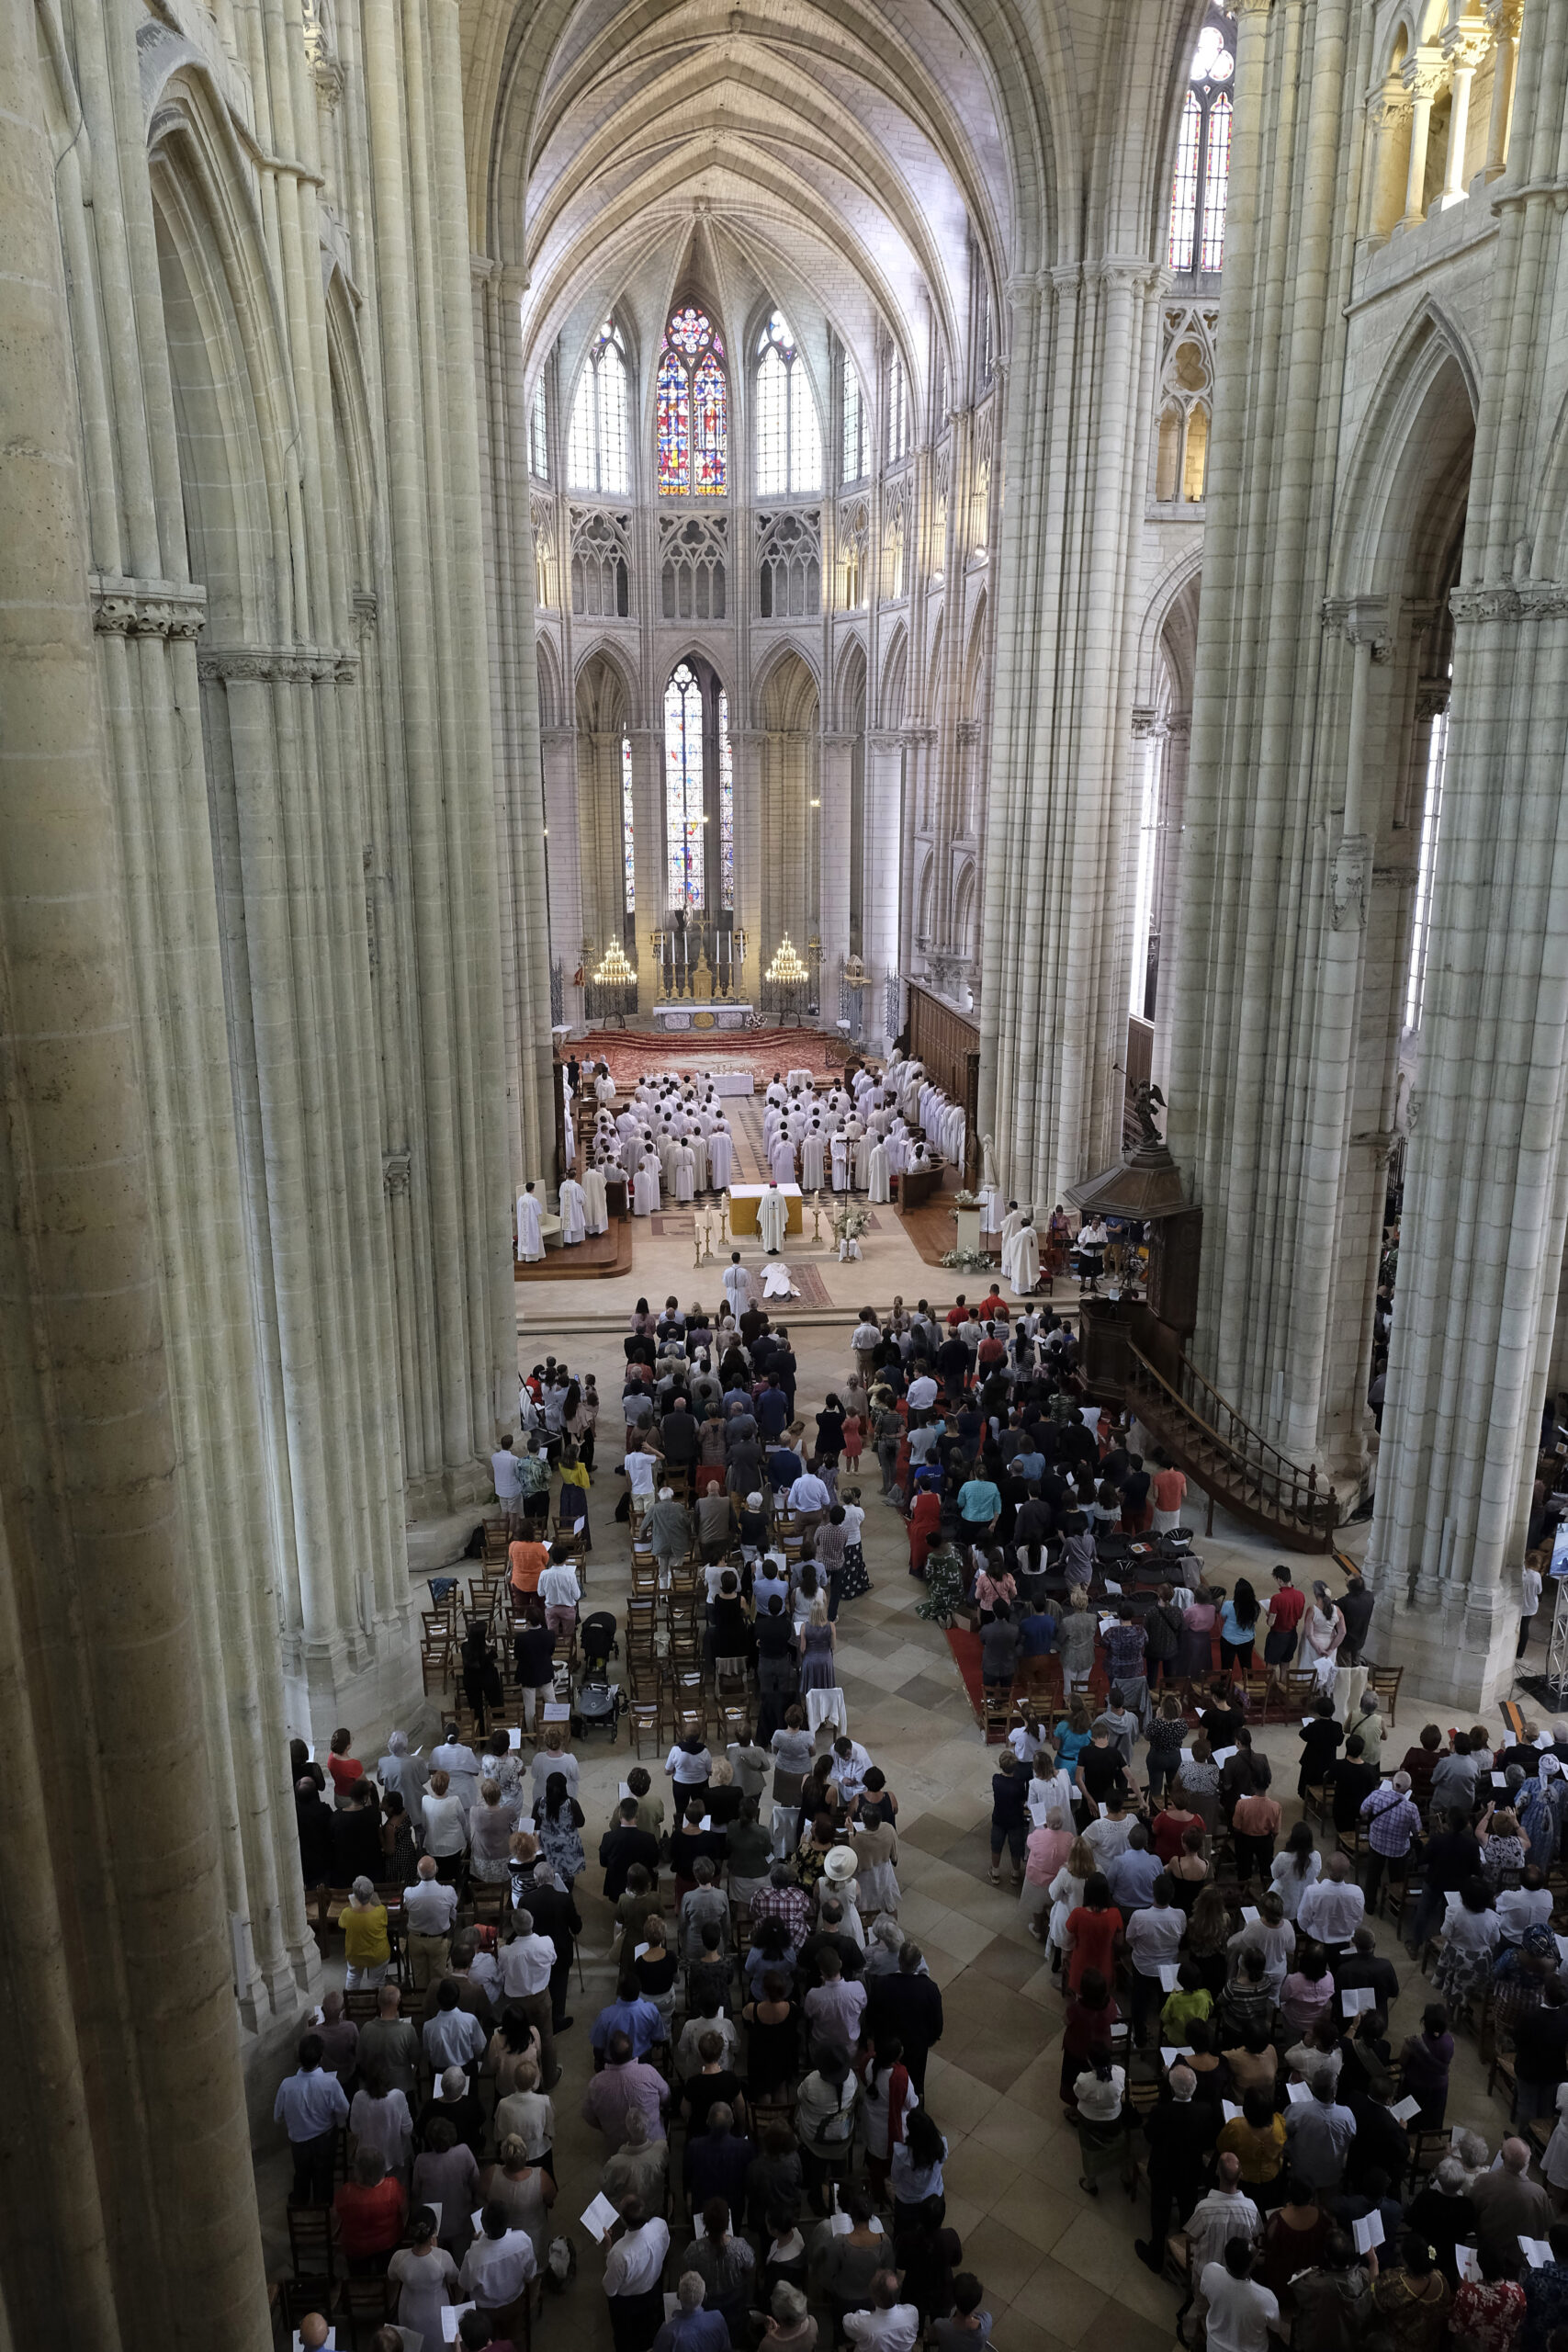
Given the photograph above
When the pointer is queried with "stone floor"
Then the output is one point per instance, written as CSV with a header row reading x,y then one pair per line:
x,y
1058,2267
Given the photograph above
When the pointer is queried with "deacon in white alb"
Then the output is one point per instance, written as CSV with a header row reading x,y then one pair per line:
x,y
782,1160
595,1201
573,1213
721,1157
685,1173
530,1247
645,1185
772,1220
877,1172
811,1159
739,1285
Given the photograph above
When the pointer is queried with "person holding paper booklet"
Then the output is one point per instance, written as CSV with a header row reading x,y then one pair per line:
x,y
1489,2312
425,2276
636,2246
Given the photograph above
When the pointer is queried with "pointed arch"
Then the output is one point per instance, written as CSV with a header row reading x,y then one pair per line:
x,y
964,902
1410,467
600,661
850,699
548,666
892,692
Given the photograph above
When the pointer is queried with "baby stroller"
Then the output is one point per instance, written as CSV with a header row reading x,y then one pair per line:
x,y
597,1643
597,1707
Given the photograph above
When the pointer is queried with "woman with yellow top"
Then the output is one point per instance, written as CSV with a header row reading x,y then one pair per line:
x,y
574,1489
365,1944
1256,2139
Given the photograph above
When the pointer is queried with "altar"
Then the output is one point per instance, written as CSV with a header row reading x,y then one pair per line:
x,y
743,1200
700,1019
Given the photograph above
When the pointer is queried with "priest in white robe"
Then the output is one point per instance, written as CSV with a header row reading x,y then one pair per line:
x,y
772,1219
645,1185
813,1155
721,1158
781,1160
595,1201
1011,1224
697,1145
603,1086
877,1172
841,1162
573,1213
739,1285
530,1243
1023,1269
897,1149
685,1174
776,1281
860,1143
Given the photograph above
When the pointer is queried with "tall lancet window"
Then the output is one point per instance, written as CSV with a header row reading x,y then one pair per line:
x,y
1203,152
693,408
685,815
597,450
789,441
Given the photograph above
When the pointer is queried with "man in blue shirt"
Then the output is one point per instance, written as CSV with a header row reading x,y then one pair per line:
x,y
631,2013
693,2329
1036,1631
311,2105
773,1411
979,1507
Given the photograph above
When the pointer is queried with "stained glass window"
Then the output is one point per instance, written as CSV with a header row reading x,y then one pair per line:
x,y
1184,189
693,408
683,809
855,423
598,447
539,447
627,840
726,806
789,441
1200,183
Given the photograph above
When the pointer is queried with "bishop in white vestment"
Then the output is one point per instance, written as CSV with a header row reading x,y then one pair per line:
x,y
1024,1272
573,1213
772,1219
530,1247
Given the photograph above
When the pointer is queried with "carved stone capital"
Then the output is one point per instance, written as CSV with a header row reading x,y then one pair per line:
x,y
1145,716
1465,44
123,607
1387,107
275,665
1359,620
1424,73
397,1167
967,733
366,611
1527,600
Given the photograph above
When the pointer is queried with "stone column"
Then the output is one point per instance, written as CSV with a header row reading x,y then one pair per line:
x,y
1464,46
833,851
648,855
1423,77
565,862
1503,16
745,749
129,2214
881,894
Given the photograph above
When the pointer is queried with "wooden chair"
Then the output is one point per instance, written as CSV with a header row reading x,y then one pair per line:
x,y
312,2241
1259,1684
645,1575
298,2298
996,1718
1385,1681
1300,1686
643,1716
367,2304
495,1539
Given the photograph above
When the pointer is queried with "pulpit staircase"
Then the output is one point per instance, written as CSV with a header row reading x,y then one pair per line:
x,y
1224,1455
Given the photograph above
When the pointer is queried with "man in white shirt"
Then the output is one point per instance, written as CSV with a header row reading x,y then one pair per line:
x,y
499,2264
889,2325
1331,1911
1240,2312
1530,1601
641,1471
809,1499
1225,2213
561,1592
1520,1907
429,1909
1154,1938
634,2272
922,1394
508,1488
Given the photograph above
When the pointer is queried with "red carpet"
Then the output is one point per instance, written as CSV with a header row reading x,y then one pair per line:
x,y
966,1648
630,1052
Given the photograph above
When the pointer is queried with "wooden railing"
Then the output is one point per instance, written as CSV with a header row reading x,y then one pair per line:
x,y
1284,1491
